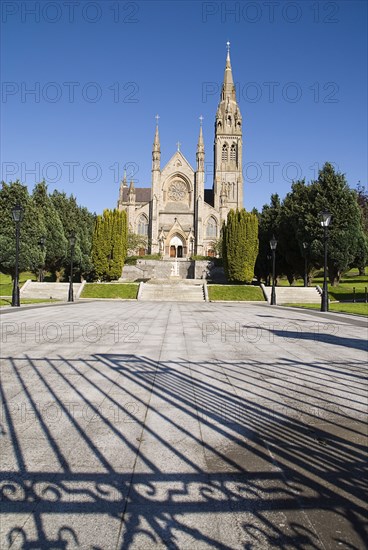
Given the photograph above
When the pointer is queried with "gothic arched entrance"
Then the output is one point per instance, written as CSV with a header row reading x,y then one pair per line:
x,y
177,247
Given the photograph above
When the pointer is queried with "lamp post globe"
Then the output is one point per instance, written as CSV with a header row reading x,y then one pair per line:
x,y
17,215
273,245
325,222
72,240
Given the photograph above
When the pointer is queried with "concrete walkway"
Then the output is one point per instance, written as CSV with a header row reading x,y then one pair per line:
x,y
182,426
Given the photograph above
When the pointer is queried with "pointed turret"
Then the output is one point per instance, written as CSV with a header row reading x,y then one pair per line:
x,y
123,184
156,192
200,148
131,192
228,88
156,141
199,194
156,150
228,104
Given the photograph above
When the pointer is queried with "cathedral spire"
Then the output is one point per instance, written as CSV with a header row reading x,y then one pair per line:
x,y
124,180
228,88
228,144
156,150
156,141
200,147
228,77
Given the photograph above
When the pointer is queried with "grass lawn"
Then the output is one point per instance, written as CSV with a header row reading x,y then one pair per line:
x,y
343,292
6,285
235,292
110,290
285,282
7,302
357,309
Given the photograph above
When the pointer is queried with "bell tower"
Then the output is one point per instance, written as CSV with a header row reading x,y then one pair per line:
x,y
228,145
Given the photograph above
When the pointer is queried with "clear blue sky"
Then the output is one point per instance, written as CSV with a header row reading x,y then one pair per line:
x,y
300,68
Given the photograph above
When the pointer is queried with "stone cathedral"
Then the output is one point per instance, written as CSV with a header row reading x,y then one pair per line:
x,y
179,217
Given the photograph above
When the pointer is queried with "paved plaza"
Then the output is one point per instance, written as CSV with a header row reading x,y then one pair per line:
x,y
182,426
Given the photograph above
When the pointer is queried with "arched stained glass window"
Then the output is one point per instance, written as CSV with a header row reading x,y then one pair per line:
x,y
211,228
142,226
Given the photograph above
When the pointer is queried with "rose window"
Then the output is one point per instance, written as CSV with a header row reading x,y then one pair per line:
x,y
177,191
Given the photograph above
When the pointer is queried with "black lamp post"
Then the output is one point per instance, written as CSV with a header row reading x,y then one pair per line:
x,y
305,246
269,269
72,239
41,244
273,244
17,214
325,222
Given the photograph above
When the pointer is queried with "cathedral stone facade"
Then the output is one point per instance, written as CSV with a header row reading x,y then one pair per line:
x,y
177,215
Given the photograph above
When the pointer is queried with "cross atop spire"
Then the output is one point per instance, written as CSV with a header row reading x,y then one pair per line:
x,y
157,117
228,89
178,145
200,146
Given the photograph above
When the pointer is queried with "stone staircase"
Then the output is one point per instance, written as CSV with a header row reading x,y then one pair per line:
x,y
57,291
172,291
294,294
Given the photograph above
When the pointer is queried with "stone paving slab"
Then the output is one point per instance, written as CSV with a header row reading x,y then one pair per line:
x,y
182,425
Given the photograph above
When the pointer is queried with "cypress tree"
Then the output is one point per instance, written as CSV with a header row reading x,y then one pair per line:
x,y
240,245
109,246
251,244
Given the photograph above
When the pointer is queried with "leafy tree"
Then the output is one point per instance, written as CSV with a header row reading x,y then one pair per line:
x,y
86,221
240,245
297,220
217,246
362,200
269,225
31,228
331,192
81,221
362,257
135,242
56,245
295,228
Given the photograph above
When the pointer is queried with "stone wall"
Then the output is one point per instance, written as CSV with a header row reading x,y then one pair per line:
x,y
206,269
157,269
162,269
